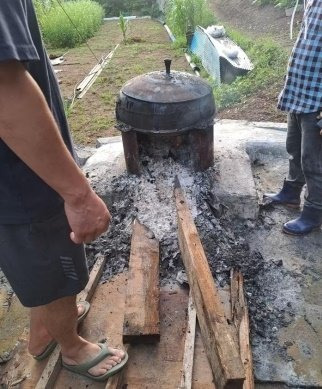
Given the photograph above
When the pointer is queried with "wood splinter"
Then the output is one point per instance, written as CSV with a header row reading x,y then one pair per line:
x,y
239,314
189,346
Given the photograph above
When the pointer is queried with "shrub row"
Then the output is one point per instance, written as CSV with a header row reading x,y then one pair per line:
x,y
130,7
183,16
59,31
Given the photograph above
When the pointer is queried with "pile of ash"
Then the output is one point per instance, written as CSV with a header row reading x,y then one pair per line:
x,y
150,198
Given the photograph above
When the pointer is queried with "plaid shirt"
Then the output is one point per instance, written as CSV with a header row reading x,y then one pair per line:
x,y
302,91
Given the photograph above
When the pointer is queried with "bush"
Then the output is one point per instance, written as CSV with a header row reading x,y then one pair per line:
x,y
130,7
183,16
270,61
59,31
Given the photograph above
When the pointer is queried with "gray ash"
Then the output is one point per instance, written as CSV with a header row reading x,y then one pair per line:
x,y
150,199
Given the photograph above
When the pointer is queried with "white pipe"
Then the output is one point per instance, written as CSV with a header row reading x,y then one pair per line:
x,y
172,37
127,18
193,65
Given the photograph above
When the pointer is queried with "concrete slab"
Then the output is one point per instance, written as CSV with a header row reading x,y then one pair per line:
x,y
296,360
295,290
83,153
107,140
235,187
107,162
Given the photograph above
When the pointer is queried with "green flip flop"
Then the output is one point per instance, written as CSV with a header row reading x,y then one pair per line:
x,y
51,346
83,368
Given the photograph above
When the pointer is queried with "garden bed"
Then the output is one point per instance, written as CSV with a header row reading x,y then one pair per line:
x,y
147,45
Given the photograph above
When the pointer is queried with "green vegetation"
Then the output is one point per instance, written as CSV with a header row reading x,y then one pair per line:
x,y
269,61
58,30
277,3
123,26
130,7
183,16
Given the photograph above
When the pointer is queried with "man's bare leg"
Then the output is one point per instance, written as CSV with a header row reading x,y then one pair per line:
x,y
39,337
60,320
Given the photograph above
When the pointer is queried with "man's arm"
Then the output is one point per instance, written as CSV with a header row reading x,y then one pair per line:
x,y
29,129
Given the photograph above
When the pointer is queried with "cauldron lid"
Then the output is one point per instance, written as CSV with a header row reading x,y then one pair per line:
x,y
166,87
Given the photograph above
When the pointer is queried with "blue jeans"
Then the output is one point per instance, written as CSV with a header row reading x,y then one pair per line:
x,y
304,145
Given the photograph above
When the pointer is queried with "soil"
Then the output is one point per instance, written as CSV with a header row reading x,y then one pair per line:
x,y
261,106
146,46
257,21
80,60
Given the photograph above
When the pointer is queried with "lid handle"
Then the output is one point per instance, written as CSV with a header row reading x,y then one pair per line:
x,y
167,63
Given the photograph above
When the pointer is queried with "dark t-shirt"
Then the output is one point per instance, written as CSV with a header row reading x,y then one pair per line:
x,y
24,197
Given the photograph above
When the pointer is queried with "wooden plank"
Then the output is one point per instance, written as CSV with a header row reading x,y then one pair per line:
x,y
240,318
219,337
116,380
53,366
189,347
141,319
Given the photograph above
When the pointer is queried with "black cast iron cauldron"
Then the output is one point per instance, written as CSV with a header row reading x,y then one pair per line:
x,y
169,111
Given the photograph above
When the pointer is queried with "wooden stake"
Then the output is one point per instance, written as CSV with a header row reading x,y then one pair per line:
x,y
141,320
239,314
219,337
131,152
53,366
189,347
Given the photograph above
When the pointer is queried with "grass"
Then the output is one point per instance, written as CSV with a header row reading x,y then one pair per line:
x,y
59,31
270,61
183,16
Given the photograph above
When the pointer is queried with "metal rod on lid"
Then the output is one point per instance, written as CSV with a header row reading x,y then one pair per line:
x,y
167,63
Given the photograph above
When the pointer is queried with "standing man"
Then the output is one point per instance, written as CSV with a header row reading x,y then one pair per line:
x,y
301,98
47,208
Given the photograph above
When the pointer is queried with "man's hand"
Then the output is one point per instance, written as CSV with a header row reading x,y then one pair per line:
x,y
88,218
28,127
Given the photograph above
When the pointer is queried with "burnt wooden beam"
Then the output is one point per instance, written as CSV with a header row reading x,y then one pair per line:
x,y
239,314
131,152
202,148
219,337
141,319
53,366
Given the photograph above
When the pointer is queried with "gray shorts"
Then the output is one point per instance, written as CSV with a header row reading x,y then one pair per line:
x,y
40,261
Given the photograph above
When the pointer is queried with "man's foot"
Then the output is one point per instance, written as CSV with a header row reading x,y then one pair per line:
x,y
310,220
40,341
88,352
289,195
